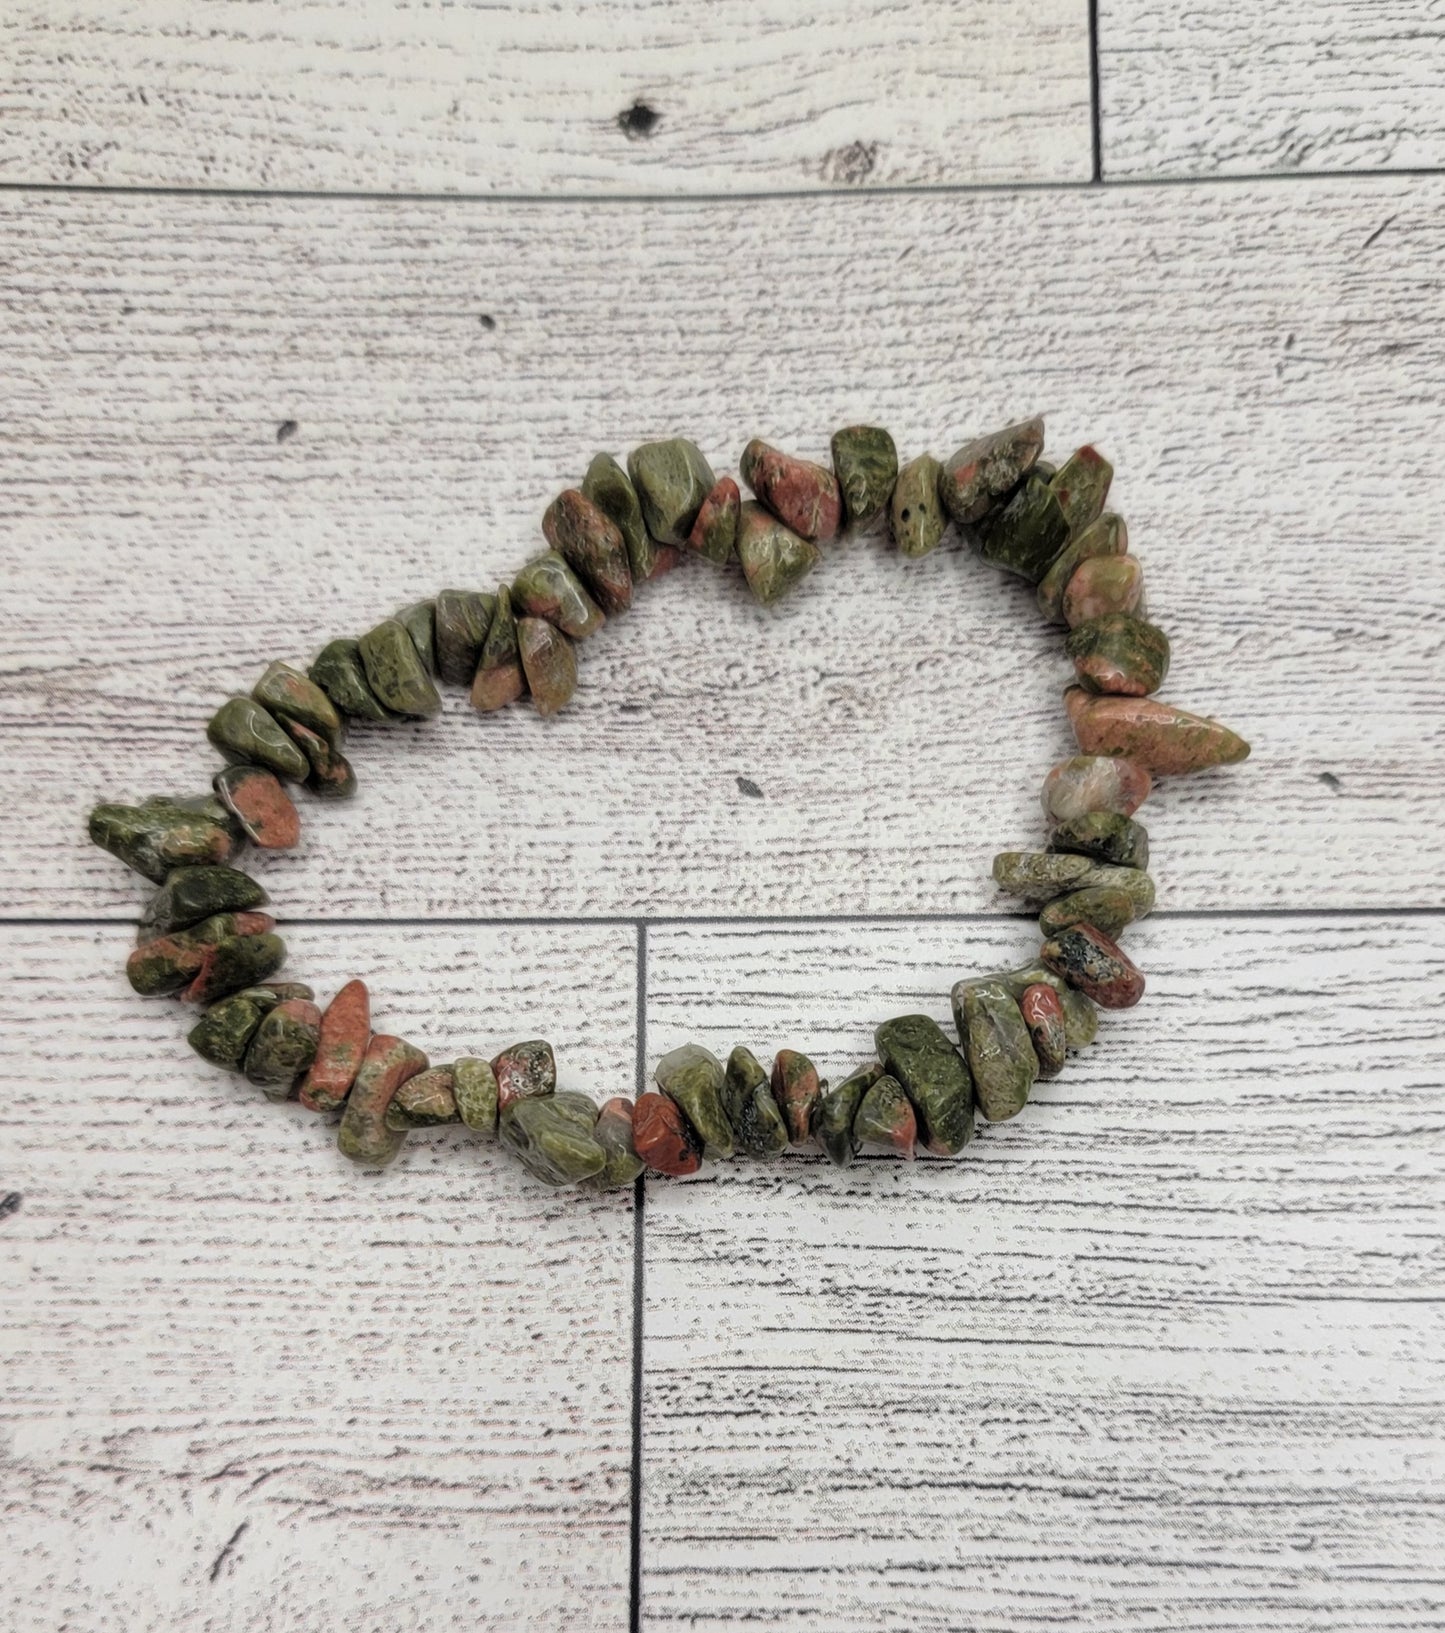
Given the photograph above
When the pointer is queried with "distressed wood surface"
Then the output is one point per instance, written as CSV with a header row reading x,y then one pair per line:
x,y
248,1385
531,96
1218,89
1164,1352
1263,375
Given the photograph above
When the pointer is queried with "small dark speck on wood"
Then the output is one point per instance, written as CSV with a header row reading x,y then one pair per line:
x,y
851,165
1378,230
9,1203
488,321
747,786
1330,780
638,122
286,430
226,1552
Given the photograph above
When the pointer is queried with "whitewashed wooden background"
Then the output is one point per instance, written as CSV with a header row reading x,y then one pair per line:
x,y
308,309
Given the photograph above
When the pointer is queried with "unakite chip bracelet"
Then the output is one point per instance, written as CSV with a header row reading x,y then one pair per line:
x,y
204,938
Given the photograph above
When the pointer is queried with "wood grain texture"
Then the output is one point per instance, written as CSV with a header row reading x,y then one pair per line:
x,y
1164,1352
1264,380
1216,89
527,96
250,1386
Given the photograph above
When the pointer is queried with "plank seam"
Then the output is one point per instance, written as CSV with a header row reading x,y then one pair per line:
x,y
1095,102
756,195
639,1265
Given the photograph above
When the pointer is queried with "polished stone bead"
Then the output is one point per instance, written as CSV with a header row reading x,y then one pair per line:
x,y
797,1090
525,1071
837,1110
1036,875
191,894
865,461
223,1033
549,661
475,1087
1119,654
608,487
1027,534
997,1046
424,1101
340,673
613,1132
420,622
802,495
1091,963
161,834
261,805
548,588
886,1120
1081,486
579,1109
1107,909
774,559
363,1135
714,534
1166,741
672,479
235,963
284,1047
331,775
1106,537
915,1051
1043,1014
395,671
1081,1019
248,734
1134,882
916,517
463,618
1094,782
499,679
694,1078
289,695
1105,836
742,1074
1101,585
591,544
165,965
987,469
340,1049
662,1136
548,1142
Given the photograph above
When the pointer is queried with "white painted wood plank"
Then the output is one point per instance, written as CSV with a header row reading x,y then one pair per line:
x,y
249,1385
1214,89
1266,384
527,96
1164,1352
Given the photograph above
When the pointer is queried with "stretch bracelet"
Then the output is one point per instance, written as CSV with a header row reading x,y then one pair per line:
x,y
204,938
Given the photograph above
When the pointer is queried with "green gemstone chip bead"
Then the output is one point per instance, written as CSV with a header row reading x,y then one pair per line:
x,y
549,661
672,479
613,1132
548,588
742,1074
191,894
837,1110
591,544
283,1047
420,622
362,1134
1081,486
608,486
548,1142
752,1112
248,734
1104,907
865,461
289,695
797,1089
886,1120
915,1051
424,1101
1026,535
395,671
223,1033
692,1077
499,679
163,833
474,1085
916,516
774,559
1108,536
339,672
986,470
997,1043
1038,876
1104,836
463,618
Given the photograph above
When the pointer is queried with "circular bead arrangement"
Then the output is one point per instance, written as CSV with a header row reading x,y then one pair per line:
x,y
204,937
